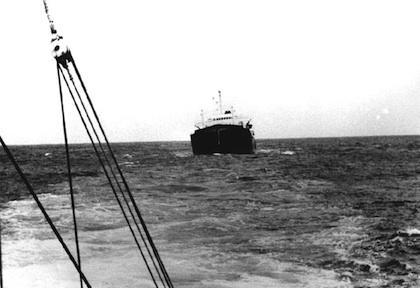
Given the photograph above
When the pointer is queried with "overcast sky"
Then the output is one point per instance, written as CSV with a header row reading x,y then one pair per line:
x,y
297,68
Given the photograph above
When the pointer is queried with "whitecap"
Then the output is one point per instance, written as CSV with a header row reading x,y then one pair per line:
x,y
412,232
265,151
182,154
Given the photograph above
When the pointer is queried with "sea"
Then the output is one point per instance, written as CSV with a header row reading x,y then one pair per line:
x,y
327,212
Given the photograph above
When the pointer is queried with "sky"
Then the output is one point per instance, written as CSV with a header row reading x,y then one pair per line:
x,y
299,68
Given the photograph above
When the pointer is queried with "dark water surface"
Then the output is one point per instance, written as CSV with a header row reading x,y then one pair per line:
x,y
336,212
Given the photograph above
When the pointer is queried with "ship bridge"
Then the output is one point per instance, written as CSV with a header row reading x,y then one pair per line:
x,y
226,118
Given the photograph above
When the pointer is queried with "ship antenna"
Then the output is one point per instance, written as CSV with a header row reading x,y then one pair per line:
x,y
220,102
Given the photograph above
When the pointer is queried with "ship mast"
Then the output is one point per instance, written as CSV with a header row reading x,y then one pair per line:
x,y
202,117
220,102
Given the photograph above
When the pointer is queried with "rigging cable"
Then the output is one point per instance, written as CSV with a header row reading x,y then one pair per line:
x,y
115,177
107,175
44,212
130,194
66,144
63,57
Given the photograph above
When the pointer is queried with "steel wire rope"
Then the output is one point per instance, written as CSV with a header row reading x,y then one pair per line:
x,y
166,275
107,176
66,144
44,212
115,177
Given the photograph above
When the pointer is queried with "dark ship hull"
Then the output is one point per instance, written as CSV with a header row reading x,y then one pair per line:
x,y
223,138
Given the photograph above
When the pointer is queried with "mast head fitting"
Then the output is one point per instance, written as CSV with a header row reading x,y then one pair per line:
x,y
59,46
60,50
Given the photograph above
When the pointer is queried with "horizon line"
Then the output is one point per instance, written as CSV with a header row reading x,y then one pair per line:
x,y
262,139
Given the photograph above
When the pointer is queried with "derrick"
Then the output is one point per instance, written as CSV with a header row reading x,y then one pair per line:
x,y
69,74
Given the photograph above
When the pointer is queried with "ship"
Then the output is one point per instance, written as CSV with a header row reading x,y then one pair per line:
x,y
225,132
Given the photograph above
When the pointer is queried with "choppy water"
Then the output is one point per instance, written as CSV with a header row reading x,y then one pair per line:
x,y
339,212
